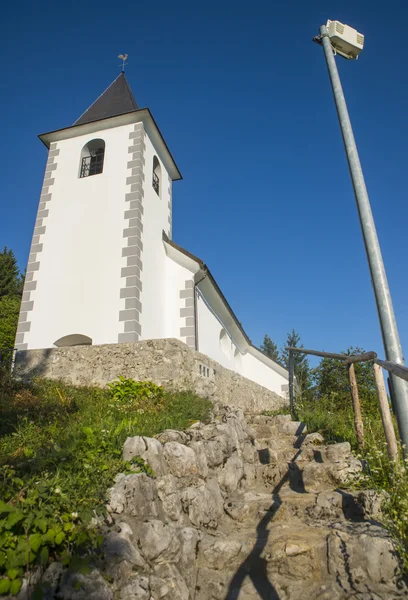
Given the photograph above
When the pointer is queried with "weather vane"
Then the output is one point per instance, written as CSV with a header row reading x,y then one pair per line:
x,y
124,58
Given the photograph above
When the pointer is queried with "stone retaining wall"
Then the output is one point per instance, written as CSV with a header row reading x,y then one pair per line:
x,y
167,362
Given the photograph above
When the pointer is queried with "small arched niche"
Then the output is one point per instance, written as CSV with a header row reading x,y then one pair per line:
x,y
74,339
92,158
156,181
225,343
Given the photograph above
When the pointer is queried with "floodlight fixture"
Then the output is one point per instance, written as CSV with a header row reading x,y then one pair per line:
x,y
345,40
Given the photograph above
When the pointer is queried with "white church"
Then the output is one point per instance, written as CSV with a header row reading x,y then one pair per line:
x,y
103,268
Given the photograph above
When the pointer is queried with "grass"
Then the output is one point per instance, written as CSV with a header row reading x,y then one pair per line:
x,y
334,420
60,450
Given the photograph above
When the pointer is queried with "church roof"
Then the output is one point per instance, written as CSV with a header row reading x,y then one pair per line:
x,y
117,99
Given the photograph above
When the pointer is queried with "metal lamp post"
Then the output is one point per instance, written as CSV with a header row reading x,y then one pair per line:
x,y
389,330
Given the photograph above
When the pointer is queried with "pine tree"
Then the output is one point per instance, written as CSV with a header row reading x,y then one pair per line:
x,y
9,311
301,364
10,276
269,348
331,380
11,289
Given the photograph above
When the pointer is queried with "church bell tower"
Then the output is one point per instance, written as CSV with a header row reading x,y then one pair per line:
x,y
96,263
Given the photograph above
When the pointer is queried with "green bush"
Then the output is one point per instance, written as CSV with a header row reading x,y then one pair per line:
x,y
136,395
61,448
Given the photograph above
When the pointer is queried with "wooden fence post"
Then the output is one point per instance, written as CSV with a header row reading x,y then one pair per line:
x,y
291,377
392,447
358,421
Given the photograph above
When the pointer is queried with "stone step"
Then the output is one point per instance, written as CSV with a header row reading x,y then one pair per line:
x,y
257,584
289,505
271,430
282,560
267,539
308,468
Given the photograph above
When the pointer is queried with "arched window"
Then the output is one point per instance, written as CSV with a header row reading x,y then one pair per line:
x,y
75,339
156,175
92,156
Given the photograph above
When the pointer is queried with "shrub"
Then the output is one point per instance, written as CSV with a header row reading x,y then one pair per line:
x,y
136,395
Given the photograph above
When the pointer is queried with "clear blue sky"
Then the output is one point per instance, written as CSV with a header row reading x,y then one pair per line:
x,y
243,99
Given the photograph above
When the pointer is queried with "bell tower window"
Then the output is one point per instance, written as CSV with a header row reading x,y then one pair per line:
x,y
156,175
92,157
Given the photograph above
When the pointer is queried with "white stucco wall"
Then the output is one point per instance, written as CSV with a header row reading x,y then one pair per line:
x,y
254,369
155,220
176,276
225,351
79,279
209,330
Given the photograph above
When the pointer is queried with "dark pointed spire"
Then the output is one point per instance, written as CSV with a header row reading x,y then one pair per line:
x,y
116,100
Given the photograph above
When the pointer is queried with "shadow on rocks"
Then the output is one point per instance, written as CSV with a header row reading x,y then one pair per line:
x,y
254,566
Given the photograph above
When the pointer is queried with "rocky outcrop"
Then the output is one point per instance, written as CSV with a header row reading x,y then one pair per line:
x,y
241,510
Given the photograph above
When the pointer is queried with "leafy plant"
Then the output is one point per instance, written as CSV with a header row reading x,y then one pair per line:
x,y
136,395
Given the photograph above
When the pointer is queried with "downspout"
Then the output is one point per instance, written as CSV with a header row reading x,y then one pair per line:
x,y
195,310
